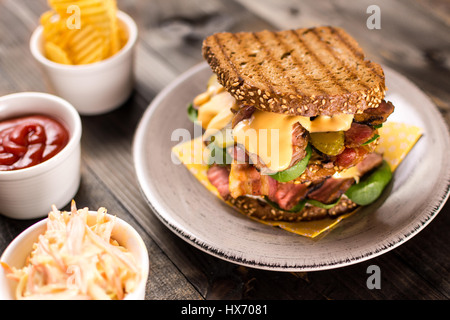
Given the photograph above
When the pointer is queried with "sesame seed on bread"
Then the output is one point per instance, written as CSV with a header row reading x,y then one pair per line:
x,y
307,72
259,209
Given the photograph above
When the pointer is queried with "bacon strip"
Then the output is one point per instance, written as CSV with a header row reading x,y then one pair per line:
x,y
350,157
358,134
245,179
288,195
331,190
218,176
244,112
376,116
369,163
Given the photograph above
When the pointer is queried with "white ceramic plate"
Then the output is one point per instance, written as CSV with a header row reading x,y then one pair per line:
x,y
417,193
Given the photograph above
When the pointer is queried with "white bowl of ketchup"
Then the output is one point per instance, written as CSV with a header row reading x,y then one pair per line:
x,y
39,154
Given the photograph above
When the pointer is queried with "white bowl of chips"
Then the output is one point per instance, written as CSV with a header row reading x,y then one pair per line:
x,y
93,255
90,67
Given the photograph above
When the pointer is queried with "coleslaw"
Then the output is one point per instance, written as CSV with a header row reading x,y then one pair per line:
x,y
75,259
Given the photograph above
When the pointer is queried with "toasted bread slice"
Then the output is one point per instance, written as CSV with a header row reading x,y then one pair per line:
x,y
306,72
257,208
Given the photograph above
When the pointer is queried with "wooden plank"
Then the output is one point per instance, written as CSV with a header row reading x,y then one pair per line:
x,y
23,76
171,32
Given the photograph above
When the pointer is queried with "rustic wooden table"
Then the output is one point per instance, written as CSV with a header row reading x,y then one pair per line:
x,y
413,39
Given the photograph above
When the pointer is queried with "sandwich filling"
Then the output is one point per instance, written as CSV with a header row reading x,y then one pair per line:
x,y
288,160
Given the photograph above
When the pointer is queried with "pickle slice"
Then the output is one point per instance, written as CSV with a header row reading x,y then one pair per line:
x,y
330,143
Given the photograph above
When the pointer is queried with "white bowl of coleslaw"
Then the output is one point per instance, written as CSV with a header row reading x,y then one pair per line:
x,y
102,257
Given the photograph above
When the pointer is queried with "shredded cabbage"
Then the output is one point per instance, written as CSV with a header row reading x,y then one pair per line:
x,y
74,260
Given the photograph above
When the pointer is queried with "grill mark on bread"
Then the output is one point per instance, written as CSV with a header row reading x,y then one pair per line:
x,y
261,74
292,54
274,61
227,58
336,60
323,68
372,96
278,61
353,49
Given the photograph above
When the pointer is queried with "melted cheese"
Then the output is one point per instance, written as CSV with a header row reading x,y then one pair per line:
x,y
340,122
214,106
214,86
266,134
222,120
352,172
269,135
216,112
236,180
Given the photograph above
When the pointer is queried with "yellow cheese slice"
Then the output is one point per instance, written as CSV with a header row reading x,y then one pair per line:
x,y
396,140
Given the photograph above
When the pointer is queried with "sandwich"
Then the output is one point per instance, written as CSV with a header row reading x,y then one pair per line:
x,y
291,123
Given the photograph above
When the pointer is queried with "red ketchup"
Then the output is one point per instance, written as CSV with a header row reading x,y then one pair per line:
x,y
30,140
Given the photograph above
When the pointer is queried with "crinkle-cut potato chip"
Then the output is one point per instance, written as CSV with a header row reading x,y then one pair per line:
x,y
56,54
100,35
91,53
123,35
87,46
116,43
52,28
46,18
